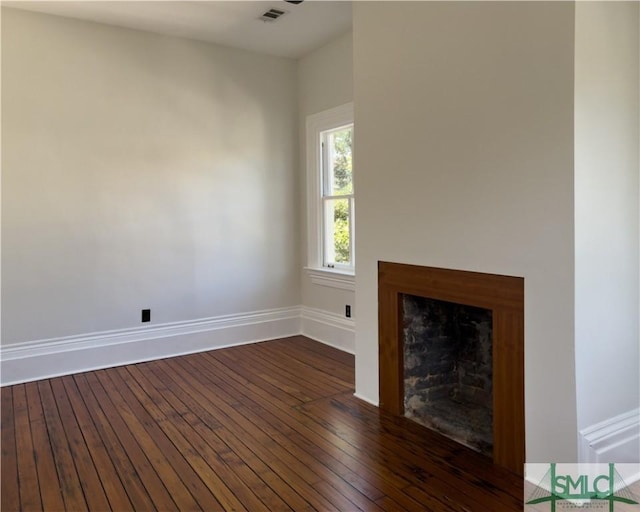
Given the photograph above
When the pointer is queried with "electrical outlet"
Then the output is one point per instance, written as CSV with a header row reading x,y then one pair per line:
x,y
146,315
347,311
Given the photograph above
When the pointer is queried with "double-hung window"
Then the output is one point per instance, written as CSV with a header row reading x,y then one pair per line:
x,y
337,197
330,194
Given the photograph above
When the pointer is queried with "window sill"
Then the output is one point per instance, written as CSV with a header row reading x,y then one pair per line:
x,y
332,278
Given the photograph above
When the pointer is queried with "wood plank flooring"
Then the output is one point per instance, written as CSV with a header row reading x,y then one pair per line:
x,y
272,426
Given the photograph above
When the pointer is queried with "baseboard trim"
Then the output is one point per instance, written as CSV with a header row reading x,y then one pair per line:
x,y
35,360
614,440
329,328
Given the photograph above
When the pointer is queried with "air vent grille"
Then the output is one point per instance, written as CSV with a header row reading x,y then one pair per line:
x,y
272,15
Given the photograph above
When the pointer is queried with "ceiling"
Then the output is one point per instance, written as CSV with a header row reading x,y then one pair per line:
x,y
235,23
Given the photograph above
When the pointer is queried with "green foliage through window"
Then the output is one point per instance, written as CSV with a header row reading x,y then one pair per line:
x,y
342,164
341,231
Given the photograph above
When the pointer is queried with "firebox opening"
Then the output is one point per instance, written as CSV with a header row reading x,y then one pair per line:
x,y
448,369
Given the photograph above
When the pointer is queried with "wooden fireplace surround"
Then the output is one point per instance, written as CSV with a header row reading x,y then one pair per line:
x,y
504,296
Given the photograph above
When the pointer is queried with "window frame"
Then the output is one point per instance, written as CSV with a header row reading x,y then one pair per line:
x,y
326,197
316,126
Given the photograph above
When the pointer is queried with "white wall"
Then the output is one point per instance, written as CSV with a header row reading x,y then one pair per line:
x,y
325,80
142,171
464,115
606,210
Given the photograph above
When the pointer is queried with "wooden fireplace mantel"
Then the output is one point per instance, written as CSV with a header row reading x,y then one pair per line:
x,y
504,296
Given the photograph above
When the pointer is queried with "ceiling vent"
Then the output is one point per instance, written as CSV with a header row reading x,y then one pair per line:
x,y
272,15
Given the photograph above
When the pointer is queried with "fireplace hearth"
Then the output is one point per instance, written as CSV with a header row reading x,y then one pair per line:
x,y
451,355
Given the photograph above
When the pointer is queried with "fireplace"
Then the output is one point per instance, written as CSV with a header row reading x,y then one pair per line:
x,y
448,369
451,355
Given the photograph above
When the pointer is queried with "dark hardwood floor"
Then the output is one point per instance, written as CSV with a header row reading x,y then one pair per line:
x,y
266,427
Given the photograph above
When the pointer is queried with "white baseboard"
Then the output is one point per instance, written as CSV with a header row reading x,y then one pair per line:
x,y
614,440
329,328
47,358
53,357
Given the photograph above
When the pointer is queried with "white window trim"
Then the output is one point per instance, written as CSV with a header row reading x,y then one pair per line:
x,y
332,278
316,124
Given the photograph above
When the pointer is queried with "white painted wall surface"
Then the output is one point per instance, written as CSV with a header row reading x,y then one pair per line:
x,y
465,140
142,171
325,81
606,210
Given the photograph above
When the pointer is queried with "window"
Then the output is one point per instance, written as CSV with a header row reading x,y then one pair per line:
x,y
330,194
337,197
